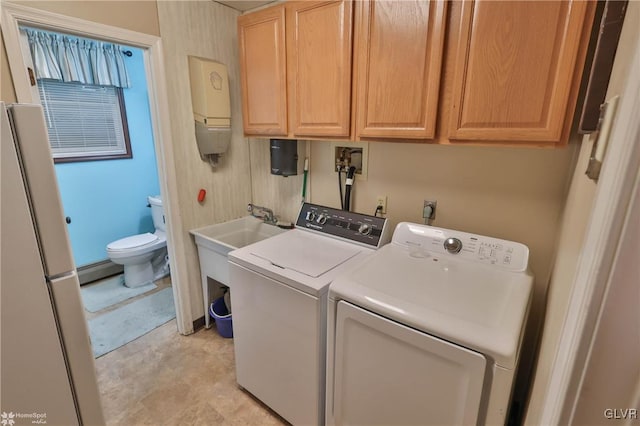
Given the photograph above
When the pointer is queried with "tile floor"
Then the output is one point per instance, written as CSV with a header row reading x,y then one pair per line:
x,y
164,378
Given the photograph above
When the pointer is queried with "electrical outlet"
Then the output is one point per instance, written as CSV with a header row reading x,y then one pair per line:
x,y
429,210
381,200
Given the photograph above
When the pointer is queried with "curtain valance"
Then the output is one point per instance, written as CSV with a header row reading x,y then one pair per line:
x,y
73,59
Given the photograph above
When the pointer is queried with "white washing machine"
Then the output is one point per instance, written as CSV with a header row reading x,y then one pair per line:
x,y
427,330
279,292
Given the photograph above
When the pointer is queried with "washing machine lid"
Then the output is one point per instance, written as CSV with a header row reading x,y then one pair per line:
x,y
301,259
312,257
470,304
133,241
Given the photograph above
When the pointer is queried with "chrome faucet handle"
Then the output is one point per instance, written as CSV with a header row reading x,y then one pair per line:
x,y
269,217
266,214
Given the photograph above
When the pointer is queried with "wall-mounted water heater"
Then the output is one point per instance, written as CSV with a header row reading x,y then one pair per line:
x,y
284,157
211,107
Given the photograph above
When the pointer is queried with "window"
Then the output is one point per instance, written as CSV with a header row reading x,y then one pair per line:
x,y
86,122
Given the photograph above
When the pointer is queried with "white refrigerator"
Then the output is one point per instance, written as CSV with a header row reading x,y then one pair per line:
x,y
47,370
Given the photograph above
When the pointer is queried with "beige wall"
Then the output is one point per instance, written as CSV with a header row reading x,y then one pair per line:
x,y
208,30
140,16
572,231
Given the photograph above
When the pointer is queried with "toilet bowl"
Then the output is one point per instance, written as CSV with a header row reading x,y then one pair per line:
x,y
144,256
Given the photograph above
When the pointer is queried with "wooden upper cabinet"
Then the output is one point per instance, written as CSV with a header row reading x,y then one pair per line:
x,y
518,68
261,37
319,67
399,49
295,61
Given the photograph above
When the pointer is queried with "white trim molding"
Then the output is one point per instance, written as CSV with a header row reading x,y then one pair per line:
x,y
610,206
14,15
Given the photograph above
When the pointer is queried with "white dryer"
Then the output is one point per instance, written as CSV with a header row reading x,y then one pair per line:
x,y
427,330
279,292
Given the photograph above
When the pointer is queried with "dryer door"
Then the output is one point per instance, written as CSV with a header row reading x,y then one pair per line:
x,y
386,373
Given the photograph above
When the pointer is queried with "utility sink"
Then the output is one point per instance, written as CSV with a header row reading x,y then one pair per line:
x,y
227,236
214,242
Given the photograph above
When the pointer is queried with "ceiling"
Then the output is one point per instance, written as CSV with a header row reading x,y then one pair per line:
x,y
244,5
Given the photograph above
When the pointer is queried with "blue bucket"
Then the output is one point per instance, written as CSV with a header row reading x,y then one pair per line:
x,y
222,317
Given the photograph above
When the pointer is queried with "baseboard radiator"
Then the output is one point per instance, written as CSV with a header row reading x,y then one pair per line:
x,y
98,271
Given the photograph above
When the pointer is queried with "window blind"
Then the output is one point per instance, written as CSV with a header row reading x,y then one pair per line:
x,y
83,120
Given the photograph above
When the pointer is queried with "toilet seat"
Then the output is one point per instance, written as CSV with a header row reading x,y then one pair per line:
x,y
133,241
136,245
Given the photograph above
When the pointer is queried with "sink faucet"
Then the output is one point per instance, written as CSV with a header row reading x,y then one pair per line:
x,y
263,213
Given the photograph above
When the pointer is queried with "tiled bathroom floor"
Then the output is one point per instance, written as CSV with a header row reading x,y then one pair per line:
x,y
164,378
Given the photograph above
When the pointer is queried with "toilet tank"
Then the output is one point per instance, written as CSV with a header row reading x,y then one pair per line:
x,y
157,213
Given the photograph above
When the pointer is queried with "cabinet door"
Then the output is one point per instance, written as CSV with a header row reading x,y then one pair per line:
x,y
515,76
399,48
261,36
319,67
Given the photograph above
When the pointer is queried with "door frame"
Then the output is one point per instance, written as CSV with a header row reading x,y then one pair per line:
x,y
14,15
598,254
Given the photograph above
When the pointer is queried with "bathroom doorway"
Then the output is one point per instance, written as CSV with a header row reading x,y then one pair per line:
x,y
14,16
96,107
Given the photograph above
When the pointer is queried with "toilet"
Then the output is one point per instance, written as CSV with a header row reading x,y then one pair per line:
x,y
144,256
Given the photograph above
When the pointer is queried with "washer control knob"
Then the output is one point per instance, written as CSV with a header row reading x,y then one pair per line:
x,y
364,229
310,216
453,245
322,219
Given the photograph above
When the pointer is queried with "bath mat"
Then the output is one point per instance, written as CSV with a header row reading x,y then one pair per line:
x,y
109,292
127,323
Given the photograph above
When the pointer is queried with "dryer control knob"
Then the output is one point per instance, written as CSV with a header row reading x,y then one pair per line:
x,y
322,219
364,229
310,216
453,245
